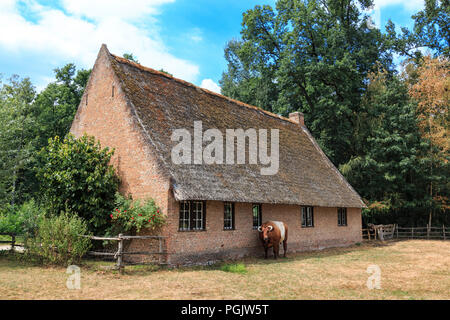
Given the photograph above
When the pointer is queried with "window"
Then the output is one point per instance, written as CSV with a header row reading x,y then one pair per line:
x,y
307,217
342,216
192,215
257,216
228,216
185,215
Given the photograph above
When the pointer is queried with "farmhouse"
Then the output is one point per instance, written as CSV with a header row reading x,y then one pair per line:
x,y
213,210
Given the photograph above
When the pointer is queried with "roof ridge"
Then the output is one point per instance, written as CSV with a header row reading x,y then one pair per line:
x,y
189,84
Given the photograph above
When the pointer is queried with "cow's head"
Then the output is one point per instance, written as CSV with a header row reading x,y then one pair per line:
x,y
265,229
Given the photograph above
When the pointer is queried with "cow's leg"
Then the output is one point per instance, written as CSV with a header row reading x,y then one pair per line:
x,y
276,250
285,240
265,252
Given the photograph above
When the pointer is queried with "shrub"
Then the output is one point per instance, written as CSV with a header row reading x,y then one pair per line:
x,y
58,240
21,220
131,215
75,174
10,222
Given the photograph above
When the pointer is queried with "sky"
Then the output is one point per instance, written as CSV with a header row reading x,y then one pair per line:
x,y
184,37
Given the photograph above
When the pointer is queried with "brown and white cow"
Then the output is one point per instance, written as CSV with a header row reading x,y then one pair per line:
x,y
272,234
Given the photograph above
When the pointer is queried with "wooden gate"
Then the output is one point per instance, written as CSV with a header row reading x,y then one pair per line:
x,y
120,253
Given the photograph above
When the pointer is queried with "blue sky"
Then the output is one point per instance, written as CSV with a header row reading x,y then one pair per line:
x,y
184,37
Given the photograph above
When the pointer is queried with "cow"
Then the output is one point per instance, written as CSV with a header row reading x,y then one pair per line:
x,y
272,234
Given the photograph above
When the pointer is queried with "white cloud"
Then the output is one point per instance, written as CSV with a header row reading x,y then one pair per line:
x,y
71,38
196,38
195,35
379,8
210,85
411,5
101,9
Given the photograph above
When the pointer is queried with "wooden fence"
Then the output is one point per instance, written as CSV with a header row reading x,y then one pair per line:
x,y
369,234
427,232
12,241
382,232
435,233
120,253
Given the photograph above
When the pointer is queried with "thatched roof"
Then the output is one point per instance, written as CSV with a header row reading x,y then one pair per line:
x,y
162,103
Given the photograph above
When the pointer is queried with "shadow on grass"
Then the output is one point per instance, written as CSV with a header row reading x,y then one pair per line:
x,y
17,260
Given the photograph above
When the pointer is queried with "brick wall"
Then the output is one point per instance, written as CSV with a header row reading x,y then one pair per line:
x,y
191,247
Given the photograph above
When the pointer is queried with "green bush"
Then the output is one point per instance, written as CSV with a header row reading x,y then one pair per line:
x,y
21,220
75,175
10,222
58,240
130,215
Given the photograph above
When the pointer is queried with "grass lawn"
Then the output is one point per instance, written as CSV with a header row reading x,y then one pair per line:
x,y
414,269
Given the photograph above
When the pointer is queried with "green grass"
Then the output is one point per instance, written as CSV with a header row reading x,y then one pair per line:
x,y
234,268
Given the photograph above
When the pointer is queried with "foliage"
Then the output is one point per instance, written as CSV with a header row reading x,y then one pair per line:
x,y
130,57
325,59
27,121
57,104
432,93
18,130
311,56
392,171
130,215
21,220
58,240
430,30
166,72
76,175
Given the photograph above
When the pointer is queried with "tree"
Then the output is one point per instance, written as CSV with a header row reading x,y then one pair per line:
x,y
312,56
27,121
432,93
57,104
430,30
76,176
391,173
18,130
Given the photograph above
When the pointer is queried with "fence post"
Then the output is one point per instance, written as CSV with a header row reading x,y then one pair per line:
x,y
160,250
428,231
396,229
13,241
412,232
120,254
443,230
